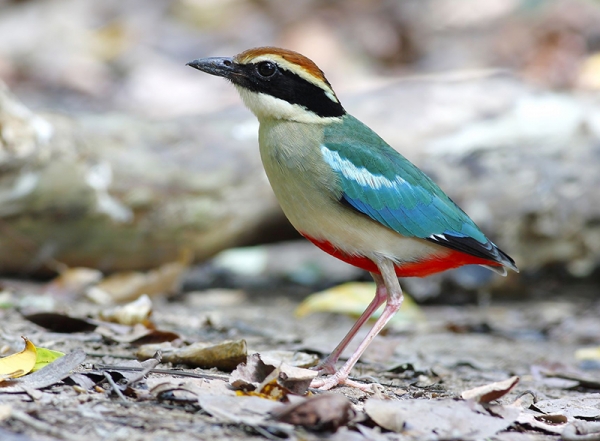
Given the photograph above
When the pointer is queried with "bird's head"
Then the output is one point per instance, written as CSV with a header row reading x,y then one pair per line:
x,y
277,84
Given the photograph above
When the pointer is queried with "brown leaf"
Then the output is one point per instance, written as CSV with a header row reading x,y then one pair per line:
x,y
248,375
490,392
225,356
261,376
72,282
326,412
62,323
128,286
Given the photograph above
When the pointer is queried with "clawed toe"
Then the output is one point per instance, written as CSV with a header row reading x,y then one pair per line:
x,y
326,383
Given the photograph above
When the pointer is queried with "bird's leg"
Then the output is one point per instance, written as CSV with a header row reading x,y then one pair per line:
x,y
327,366
394,300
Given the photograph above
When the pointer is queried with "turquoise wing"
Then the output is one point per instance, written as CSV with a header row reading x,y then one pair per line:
x,y
379,182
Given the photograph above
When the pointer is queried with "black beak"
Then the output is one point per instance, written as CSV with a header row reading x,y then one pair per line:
x,y
219,66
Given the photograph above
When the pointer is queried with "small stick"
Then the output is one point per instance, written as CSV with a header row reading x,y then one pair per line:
x,y
114,386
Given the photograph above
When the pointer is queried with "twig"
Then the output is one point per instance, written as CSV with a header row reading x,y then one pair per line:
x,y
151,364
114,386
105,367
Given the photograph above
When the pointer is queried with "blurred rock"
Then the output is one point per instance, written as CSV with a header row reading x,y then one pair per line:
x,y
120,193
115,192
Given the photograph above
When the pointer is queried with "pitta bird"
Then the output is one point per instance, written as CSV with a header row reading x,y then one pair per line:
x,y
346,190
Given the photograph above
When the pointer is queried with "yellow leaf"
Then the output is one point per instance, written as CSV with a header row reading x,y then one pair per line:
x,y
592,353
44,357
19,364
352,299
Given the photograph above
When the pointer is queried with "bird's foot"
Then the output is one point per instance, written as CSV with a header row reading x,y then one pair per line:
x,y
338,379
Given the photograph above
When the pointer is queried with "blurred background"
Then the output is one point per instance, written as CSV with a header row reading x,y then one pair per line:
x,y
115,156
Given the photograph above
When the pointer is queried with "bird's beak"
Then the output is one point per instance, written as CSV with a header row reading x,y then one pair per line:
x,y
219,66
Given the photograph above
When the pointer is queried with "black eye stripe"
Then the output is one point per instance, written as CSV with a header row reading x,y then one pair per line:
x,y
286,85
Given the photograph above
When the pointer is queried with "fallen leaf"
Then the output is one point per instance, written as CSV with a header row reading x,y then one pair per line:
x,y
325,412
256,375
226,355
250,374
581,430
562,376
385,415
130,285
19,364
588,353
130,314
251,411
583,407
44,357
72,282
290,358
352,299
62,323
437,419
531,420
47,376
490,392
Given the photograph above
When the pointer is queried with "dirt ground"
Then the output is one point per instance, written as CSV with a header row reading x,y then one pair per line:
x,y
452,350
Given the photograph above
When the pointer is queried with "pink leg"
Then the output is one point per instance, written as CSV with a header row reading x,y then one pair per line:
x,y
327,366
394,300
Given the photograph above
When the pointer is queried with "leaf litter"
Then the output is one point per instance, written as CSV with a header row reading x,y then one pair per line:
x,y
267,395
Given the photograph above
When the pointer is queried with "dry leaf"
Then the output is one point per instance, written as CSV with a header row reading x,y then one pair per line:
x,y
385,415
250,411
588,353
582,407
490,392
18,364
72,282
258,375
290,358
439,419
326,412
531,420
352,299
130,314
225,355
130,285
56,322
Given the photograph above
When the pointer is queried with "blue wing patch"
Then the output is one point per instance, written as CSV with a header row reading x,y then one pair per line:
x,y
380,183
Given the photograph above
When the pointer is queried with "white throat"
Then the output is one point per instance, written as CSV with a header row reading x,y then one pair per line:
x,y
268,107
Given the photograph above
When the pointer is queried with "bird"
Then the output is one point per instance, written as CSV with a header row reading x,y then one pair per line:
x,y
347,191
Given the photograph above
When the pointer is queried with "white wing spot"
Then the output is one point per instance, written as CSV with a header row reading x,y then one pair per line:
x,y
359,174
438,237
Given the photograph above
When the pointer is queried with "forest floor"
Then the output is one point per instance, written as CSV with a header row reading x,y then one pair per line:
x,y
423,368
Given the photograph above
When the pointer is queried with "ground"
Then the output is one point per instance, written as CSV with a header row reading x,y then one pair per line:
x,y
456,348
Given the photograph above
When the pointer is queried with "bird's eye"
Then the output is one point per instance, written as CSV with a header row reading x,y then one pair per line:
x,y
266,69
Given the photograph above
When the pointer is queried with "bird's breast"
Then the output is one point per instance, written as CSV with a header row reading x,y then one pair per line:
x,y
309,193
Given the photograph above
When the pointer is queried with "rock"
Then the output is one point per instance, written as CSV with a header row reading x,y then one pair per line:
x,y
116,192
